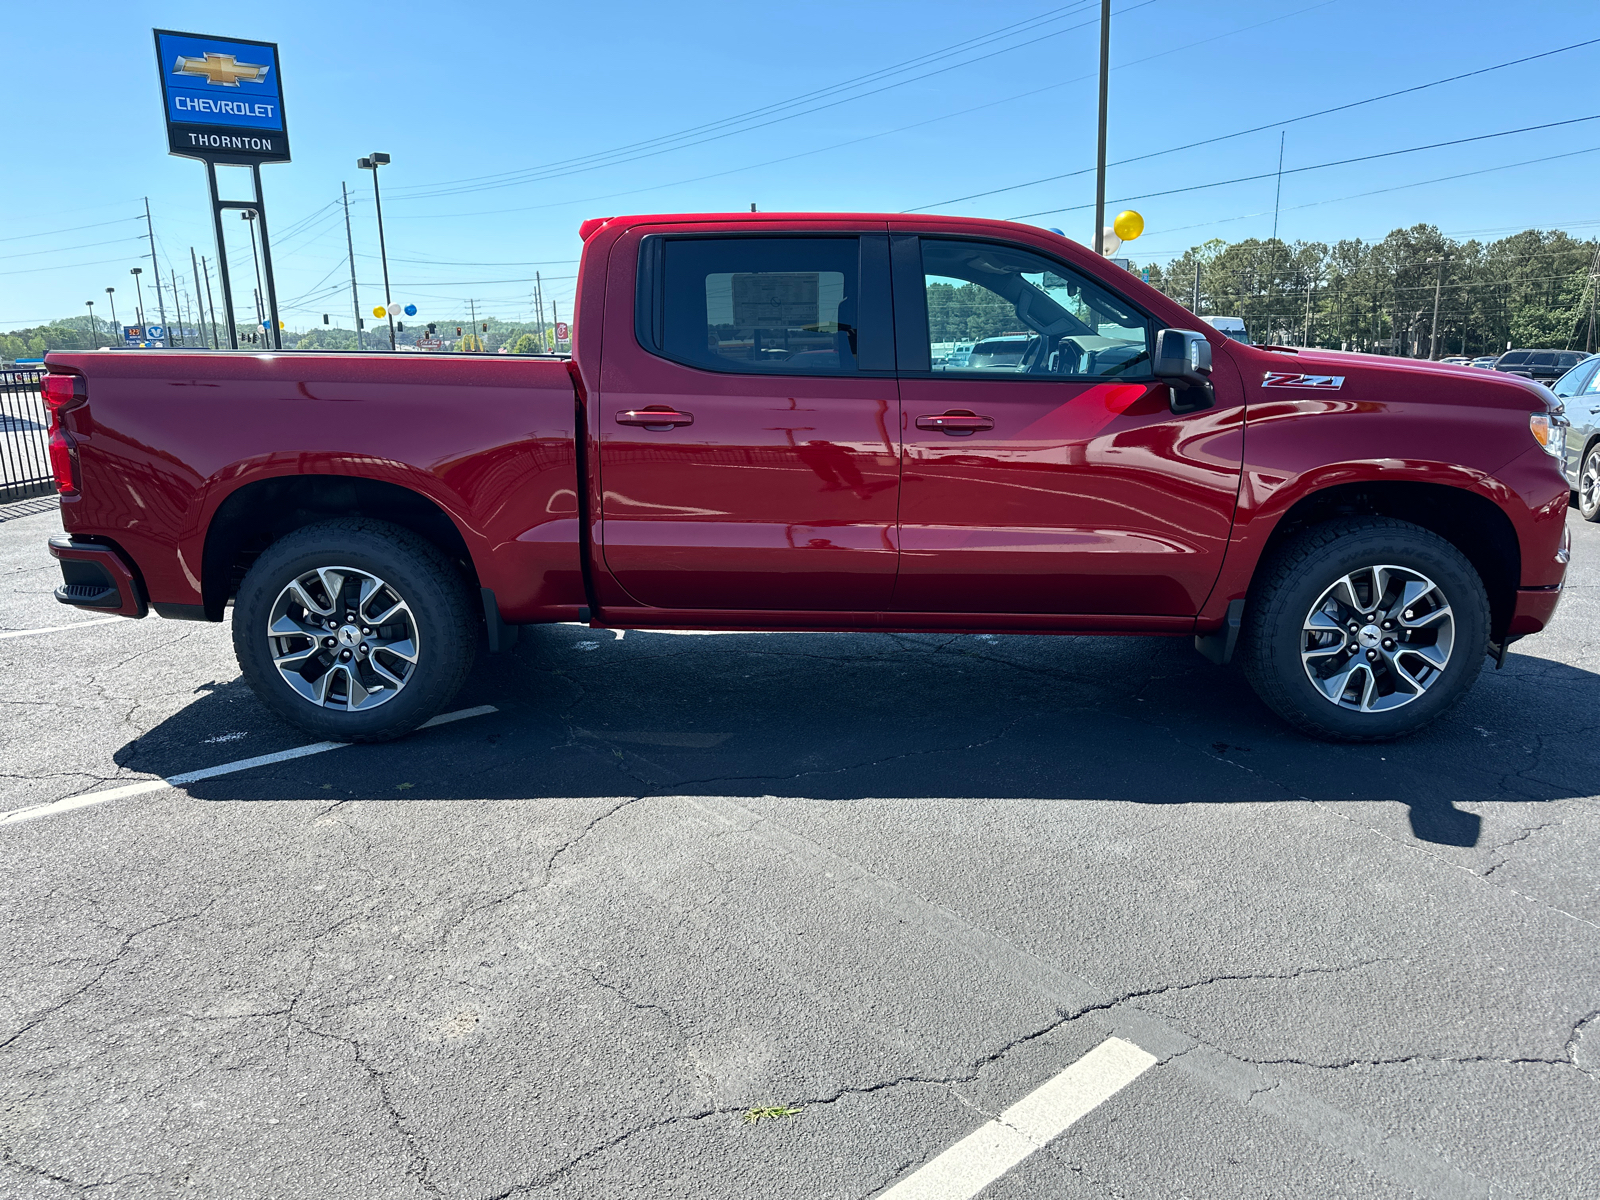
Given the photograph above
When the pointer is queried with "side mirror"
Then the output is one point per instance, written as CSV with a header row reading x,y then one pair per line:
x,y
1183,360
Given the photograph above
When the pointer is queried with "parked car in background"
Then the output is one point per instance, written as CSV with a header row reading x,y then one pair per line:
x,y
1456,361
1579,393
998,353
1486,361
1231,327
1541,366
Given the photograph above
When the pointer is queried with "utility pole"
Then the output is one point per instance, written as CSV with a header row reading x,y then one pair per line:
x,y
555,314
1100,155
150,228
205,269
1306,339
177,304
538,301
350,246
1438,284
472,306
199,300
1195,307
1278,198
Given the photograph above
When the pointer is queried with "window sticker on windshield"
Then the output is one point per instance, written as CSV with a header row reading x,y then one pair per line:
x,y
1286,379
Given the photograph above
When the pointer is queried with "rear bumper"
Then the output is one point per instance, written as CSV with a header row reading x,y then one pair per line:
x,y
98,578
1535,607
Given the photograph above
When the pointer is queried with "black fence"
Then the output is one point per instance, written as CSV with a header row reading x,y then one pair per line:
x,y
24,436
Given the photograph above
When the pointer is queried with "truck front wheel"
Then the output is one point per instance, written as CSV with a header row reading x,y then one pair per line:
x,y
1365,629
355,630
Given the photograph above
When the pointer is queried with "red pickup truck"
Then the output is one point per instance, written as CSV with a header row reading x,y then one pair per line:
x,y
763,425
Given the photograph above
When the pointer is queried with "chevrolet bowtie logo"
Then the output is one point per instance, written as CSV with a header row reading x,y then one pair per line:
x,y
221,69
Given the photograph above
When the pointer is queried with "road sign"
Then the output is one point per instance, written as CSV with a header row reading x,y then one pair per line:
x,y
223,98
133,333
561,331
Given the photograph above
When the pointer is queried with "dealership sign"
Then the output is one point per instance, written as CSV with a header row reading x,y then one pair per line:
x,y
223,98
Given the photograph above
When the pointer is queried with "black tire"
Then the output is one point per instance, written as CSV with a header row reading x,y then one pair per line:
x,y
1588,493
1302,572
443,627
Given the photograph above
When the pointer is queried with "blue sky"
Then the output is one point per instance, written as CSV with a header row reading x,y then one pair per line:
x,y
502,120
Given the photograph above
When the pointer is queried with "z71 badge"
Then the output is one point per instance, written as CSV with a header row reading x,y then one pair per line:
x,y
1285,379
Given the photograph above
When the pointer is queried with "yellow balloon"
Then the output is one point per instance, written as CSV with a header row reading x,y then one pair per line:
x,y
378,312
1128,225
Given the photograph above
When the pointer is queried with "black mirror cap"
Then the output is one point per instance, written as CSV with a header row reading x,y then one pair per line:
x,y
1182,356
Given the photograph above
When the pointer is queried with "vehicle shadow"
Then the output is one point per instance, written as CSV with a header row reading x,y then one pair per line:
x,y
847,716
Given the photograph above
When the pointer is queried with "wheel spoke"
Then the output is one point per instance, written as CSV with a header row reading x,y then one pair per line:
x,y
304,600
295,660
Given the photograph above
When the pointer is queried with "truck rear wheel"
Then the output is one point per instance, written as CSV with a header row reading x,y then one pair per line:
x,y
355,630
1365,629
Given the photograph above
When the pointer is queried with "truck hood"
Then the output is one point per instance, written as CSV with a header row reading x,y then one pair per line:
x,y
1285,373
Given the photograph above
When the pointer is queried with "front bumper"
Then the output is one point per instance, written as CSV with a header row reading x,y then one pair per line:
x,y
1535,607
97,577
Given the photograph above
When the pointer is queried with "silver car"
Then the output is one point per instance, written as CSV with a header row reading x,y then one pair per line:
x,y
1579,392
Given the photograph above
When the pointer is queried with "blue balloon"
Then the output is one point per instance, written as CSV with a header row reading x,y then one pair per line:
x,y
411,310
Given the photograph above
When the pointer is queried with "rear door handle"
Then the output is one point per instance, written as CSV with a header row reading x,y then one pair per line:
x,y
654,418
957,423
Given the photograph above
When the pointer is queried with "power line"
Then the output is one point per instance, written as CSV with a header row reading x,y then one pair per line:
x,y
1323,112
541,174
564,166
1340,162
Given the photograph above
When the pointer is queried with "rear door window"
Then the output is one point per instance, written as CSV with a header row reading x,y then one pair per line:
x,y
767,306
1513,358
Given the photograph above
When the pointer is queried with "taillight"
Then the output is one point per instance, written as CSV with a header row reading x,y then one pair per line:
x,y
62,393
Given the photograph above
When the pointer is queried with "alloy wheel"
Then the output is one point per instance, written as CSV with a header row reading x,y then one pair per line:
x,y
1589,484
343,638
1377,639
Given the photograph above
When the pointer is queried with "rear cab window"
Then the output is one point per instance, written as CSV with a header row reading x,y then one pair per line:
x,y
766,305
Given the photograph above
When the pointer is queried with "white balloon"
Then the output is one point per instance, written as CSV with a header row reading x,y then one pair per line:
x,y
1109,241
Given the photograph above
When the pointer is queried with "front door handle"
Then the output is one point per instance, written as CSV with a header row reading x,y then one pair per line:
x,y
956,422
655,419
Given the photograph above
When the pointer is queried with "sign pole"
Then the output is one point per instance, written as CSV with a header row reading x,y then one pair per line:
x,y
266,260
222,260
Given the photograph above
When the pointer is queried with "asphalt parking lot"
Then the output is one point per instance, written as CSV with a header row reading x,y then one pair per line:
x,y
1074,915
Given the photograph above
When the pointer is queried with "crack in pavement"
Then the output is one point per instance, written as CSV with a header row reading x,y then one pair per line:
x,y
105,968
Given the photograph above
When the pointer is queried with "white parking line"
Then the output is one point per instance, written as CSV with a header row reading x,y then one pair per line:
x,y
244,764
988,1152
58,628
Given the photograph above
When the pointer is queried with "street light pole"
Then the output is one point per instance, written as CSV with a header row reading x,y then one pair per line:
x,y
1100,156
138,291
372,163
249,215
94,336
111,295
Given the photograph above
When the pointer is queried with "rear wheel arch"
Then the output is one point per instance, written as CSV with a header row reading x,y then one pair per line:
x,y
262,512
1473,524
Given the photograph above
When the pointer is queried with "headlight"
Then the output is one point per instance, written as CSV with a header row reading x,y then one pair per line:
x,y
1548,431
